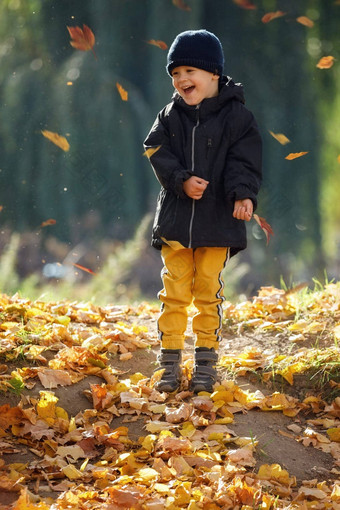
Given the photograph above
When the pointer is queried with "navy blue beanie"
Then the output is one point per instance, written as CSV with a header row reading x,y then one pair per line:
x,y
196,48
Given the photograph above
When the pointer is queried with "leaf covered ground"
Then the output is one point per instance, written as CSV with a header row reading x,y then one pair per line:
x,y
82,426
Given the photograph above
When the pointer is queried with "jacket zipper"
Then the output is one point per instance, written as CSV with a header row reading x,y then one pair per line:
x,y
192,171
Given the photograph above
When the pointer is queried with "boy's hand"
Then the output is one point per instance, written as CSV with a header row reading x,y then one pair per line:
x,y
243,209
194,187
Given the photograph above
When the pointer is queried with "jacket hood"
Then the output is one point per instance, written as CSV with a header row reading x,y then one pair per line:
x,y
228,91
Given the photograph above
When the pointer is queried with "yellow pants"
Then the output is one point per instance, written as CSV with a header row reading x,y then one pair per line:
x,y
191,275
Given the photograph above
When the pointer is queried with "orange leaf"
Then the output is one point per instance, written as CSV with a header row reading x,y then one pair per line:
x,y
267,229
338,158
304,20
123,93
58,140
325,62
84,268
272,15
181,5
10,416
161,44
280,137
1,207
83,39
294,155
245,4
48,222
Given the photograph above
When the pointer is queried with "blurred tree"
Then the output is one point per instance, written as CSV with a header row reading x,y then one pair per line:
x,y
46,84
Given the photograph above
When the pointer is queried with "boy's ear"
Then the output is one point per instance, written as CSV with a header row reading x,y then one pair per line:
x,y
216,76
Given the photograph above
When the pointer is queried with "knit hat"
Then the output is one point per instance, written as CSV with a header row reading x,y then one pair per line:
x,y
197,48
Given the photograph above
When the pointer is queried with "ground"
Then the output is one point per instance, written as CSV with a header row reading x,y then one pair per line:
x,y
276,442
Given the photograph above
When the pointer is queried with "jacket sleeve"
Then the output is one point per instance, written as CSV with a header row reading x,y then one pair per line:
x,y
244,161
166,166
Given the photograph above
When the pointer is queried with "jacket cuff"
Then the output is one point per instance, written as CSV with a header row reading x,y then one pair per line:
x,y
177,180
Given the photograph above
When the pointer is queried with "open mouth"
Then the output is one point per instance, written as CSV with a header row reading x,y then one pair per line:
x,y
187,90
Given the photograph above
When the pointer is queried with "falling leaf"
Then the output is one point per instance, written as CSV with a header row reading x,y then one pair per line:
x,y
272,15
245,4
161,44
338,158
150,152
122,92
304,20
1,207
181,5
267,229
58,140
46,223
86,269
83,39
280,137
325,62
294,155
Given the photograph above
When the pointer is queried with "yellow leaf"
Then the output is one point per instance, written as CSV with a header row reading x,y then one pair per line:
x,y
224,395
122,92
149,442
147,475
335,496
150,152
61,413
58,140
294,155
274,472
63,319
71,472
334,434
280,137
46,406
187,429
135,378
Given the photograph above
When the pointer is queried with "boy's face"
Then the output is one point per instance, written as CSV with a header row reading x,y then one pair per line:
x,y
194,84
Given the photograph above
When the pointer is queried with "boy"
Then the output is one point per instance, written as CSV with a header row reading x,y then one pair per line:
x,y
207,158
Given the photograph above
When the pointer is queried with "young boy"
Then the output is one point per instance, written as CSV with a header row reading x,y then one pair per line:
x,y
207,157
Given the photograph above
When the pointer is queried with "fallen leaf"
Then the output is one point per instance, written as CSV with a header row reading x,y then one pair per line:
x,y
294,155
58,140
86,269
334,434
304,20
178,415
245,4
161,44
52,378
280,137
181,5
83,39
122,92
125,356
272,15
267,229
10,416
48,222
325,62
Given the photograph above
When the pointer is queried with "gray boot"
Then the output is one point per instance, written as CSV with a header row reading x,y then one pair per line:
x,y
170,360
204,375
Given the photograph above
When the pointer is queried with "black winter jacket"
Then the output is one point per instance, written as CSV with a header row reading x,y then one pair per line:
x,y
219,141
